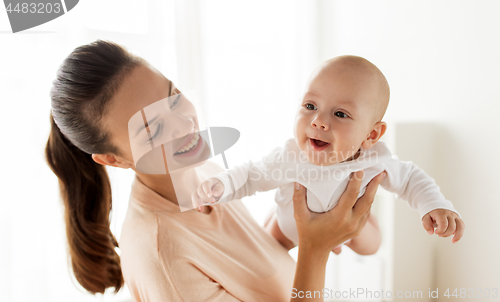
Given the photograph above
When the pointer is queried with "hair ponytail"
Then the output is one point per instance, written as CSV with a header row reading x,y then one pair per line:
x,y
84,85
86,194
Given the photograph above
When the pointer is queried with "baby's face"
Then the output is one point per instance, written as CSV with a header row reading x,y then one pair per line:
x,y
336,115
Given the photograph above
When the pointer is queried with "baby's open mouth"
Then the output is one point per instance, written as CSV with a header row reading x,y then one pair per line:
x,y
318,144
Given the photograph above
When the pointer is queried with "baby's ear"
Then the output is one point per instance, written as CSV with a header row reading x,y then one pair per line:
x,y
375,134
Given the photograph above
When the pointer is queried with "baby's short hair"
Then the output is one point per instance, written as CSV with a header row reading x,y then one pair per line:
x,y
362,64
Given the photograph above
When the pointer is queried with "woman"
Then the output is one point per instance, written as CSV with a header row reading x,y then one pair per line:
x,y
220,254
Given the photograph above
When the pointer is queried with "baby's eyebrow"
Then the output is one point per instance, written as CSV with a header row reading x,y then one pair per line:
x,y
349,104
311,94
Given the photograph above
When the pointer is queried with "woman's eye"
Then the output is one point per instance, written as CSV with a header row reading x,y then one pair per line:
x,y
310,106
177,99
341,114
156,132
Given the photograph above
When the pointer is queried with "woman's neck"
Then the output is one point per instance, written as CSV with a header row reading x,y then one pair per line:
x,y
175,186
161,184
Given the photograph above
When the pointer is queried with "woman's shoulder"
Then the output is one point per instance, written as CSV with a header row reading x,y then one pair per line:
x,y
139,232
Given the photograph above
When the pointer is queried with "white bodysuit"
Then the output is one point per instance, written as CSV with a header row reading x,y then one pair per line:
x,y
325,184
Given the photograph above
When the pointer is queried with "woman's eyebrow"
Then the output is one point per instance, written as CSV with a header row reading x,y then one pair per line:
x,y
170,86
147,125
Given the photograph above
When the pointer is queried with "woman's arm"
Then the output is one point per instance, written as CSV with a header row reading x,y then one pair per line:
x,y
320,233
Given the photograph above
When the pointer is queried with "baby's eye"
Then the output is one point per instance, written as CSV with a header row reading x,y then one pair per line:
x,y
310,106
341,114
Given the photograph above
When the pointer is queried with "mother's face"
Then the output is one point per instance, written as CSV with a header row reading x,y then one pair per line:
x,y
142,87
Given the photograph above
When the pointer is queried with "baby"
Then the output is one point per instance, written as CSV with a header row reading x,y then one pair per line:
x,y
337,129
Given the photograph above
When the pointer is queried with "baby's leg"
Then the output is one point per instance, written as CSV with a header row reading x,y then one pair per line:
x,y
274,230
368,241
336,250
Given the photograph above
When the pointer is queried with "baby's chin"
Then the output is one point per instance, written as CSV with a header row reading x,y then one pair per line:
x,y
324,159
321,159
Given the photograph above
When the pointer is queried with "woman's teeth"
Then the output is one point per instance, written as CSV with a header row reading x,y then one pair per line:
x,y
189,146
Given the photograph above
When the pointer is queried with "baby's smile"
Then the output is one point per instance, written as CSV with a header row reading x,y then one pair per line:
x,y
318,145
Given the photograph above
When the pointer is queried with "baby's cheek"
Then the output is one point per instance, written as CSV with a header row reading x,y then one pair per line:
x,y
347,151
297,132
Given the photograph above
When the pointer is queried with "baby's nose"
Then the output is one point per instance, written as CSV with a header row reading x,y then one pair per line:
x,y
318,123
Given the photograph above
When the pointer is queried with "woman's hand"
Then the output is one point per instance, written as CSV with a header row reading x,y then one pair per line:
x,y
325,231
320,233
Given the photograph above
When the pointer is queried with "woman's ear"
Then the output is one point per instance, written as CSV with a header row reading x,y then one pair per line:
x,y
375,134
111,160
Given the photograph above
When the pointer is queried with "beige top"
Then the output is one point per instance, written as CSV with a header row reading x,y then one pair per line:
x,y
168,255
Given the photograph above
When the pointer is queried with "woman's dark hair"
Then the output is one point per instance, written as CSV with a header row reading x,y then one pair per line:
x,y
80,95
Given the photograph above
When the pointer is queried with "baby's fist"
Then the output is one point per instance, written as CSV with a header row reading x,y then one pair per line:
x,y
208,192
447,222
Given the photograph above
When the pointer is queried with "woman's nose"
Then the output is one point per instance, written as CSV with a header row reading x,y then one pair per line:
x,y
320,123
181,125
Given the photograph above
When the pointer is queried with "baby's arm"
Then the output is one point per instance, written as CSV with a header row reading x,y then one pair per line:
x,y
239,181
447,223
208,192
422,193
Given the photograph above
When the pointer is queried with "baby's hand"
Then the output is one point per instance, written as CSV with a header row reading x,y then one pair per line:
x,y
208,192
447,222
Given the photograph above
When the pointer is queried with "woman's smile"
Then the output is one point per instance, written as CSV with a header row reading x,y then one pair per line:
x,y
191,142
192,147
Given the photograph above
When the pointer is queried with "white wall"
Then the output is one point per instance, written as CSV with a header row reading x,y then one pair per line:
x,y
442,61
